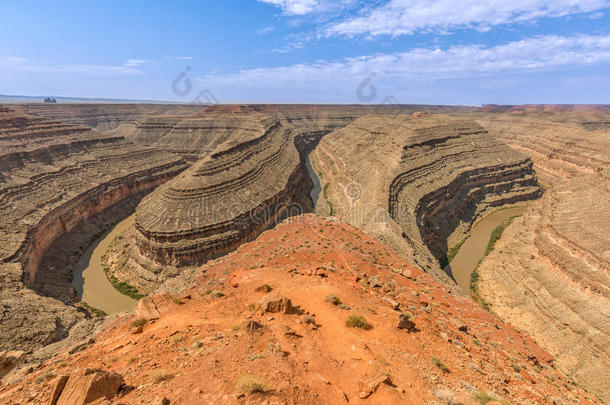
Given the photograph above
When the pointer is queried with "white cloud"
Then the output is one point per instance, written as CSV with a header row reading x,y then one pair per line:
x,y
543,53
13,60
265,30
135,62
403,17
129,67
294,7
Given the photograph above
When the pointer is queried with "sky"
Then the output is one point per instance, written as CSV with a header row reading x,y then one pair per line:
x,y
469,52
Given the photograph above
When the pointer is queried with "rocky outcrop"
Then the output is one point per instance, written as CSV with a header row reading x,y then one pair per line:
x,y
549,275
418,181
85,386
54,177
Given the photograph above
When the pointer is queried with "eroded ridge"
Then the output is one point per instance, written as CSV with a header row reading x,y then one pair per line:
x,y
414,180
550,273
107,116
54,177
251,176
197,135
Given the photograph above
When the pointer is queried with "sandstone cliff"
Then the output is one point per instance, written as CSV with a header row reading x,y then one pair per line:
x,y
550,273
414,181
54,177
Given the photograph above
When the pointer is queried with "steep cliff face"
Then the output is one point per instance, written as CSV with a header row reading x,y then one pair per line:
x,y
222,201
54,177
414,181
249,175
550,273
301,315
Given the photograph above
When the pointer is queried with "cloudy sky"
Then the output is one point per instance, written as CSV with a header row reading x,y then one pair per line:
x,y
310,51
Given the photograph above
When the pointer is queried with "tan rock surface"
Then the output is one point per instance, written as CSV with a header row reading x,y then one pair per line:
x,y
56,178
412,181
550,273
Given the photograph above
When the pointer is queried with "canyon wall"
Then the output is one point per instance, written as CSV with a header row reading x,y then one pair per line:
x,y
53,177
550,273
414,180
249,174
105,117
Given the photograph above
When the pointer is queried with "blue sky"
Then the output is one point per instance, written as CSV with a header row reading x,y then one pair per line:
x,y
310,51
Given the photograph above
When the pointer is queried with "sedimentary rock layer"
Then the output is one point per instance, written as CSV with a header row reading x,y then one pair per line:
x,y
550,273
105,116
249,174
414,180
54,176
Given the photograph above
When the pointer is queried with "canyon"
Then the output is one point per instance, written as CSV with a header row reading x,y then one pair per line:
x,y
218,199
550,272
420,182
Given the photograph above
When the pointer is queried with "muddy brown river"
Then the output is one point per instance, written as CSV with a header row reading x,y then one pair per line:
x,y
90,281
473,249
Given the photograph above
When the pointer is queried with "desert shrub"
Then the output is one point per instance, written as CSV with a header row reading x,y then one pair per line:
x,y
333,299
438,363
139,322
161,376
249,384
357,321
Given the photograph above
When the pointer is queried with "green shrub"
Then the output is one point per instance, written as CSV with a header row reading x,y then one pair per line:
x,y
357,321
333,299
139,322
438,363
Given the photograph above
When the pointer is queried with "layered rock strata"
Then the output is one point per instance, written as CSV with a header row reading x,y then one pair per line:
x,y
414,180
550,273
105,117
53,178
250,174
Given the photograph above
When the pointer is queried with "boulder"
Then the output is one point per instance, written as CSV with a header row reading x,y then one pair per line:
x,y
405,321
58,387
86,386
368,386
9,360
276,303
151,307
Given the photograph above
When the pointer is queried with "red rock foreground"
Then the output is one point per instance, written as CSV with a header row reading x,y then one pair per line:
x,y
310,312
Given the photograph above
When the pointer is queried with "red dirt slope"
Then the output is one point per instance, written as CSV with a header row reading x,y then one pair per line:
x,y
205,346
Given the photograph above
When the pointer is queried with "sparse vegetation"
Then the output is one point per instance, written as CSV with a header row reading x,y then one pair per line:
x,y
96,312
438,363
161,376
249,384
177,301
122,286
483,398
139,322
516,367
357,321
333,299
177,339
475,276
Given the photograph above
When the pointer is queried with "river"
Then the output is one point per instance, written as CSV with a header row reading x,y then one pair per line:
x,y
90,281
473,249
